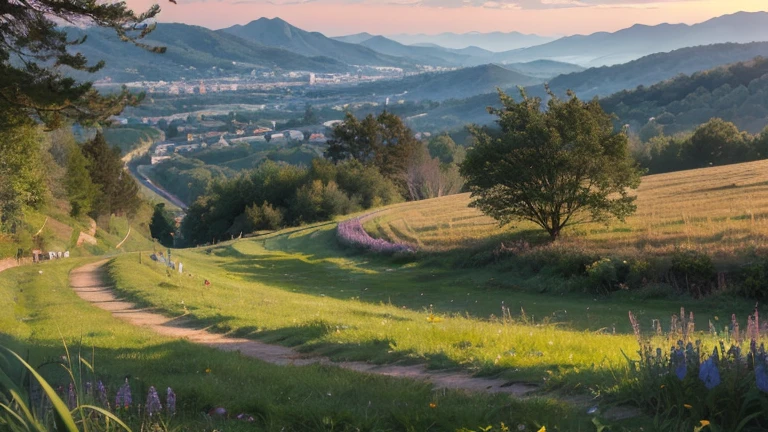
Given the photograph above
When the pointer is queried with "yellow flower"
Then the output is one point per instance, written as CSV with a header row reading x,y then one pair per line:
x,y
432,405
433,319
207,370
704,423
662,386
688,406
543,429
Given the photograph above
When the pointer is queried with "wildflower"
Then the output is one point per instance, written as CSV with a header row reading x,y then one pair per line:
x,y
170,401
678,361
708,372
432,405
123,398
433,319
207,370
246,417
688,406
71,397
761,377
153,402
704,423
543,429
102,393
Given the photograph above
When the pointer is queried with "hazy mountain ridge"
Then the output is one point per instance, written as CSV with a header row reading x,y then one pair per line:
x,y
280,34
493,41
603,48
192,52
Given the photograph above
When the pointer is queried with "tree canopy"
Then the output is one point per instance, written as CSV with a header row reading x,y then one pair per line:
x,y
34,56
383,141
554,167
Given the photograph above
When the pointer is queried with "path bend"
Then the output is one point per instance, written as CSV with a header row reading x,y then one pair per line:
x,y
89,282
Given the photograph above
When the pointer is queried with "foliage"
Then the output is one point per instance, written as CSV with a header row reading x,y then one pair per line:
x,y
692,272
274,195
35,50
22,181
119,191
694,385
162,227
383,142
81,190
445,148
736,93
426,177
555,168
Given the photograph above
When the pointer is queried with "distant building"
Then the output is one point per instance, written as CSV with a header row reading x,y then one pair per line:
x,y
294,135
164,148
318,138
261,131
159,159
187,148
312,79
221,143
202,87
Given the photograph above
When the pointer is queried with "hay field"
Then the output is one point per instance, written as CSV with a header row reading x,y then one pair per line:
x,y
719,210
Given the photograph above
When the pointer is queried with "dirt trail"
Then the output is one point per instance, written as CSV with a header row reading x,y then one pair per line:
x,y
88,283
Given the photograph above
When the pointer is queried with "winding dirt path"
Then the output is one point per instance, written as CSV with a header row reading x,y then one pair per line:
x,y
89,283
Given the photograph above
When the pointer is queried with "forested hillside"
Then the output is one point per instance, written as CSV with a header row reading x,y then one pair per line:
x,y
737,93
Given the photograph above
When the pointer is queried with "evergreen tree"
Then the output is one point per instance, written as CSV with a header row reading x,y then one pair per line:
x,y
118,191
35,47
22,181
81,190
162,226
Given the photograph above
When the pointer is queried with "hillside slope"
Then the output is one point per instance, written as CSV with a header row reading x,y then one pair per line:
x,y
714,209
736,93
192,52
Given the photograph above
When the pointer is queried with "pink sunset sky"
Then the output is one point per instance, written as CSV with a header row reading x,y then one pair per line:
x,y
544,17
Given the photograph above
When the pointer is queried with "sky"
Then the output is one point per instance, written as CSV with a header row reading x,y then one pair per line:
x,y
388,17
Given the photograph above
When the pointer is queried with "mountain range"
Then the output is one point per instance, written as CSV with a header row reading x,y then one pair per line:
x,y
192,52
280,34
494,41
601,49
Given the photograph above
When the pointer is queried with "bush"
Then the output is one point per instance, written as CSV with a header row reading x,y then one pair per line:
x,y
692,272
752,279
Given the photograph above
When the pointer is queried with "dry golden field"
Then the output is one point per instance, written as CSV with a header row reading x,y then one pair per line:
x,y
718,210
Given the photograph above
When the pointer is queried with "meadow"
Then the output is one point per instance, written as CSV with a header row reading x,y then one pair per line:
x,y
721,211
39,314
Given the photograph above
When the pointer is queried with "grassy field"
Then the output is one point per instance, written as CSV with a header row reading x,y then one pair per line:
x,y
38,313
298,288
720,210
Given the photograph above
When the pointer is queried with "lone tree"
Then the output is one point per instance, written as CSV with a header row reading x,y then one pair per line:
x,y
555,167
34,49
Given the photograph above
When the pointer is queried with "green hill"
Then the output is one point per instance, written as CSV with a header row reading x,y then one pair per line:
x,y
737,93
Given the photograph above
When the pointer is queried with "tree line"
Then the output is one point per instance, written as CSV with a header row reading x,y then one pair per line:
x,y
369,162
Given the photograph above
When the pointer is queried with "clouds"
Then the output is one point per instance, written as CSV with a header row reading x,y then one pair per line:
x,y
490,4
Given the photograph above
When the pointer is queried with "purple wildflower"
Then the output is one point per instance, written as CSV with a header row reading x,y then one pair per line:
x,y
153,402
71,397
678,361
246,417
102,394
351,232
170,401
123,398
709,373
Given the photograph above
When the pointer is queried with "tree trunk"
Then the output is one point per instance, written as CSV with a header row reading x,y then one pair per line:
x,y
554,234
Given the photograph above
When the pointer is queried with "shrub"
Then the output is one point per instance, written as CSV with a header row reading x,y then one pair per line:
x,y
692,272
752,279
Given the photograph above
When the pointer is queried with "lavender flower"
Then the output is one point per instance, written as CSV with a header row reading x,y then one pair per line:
x,y
123,398
170,401
102,394
71,397
351,232
678,361
153,402
709,373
